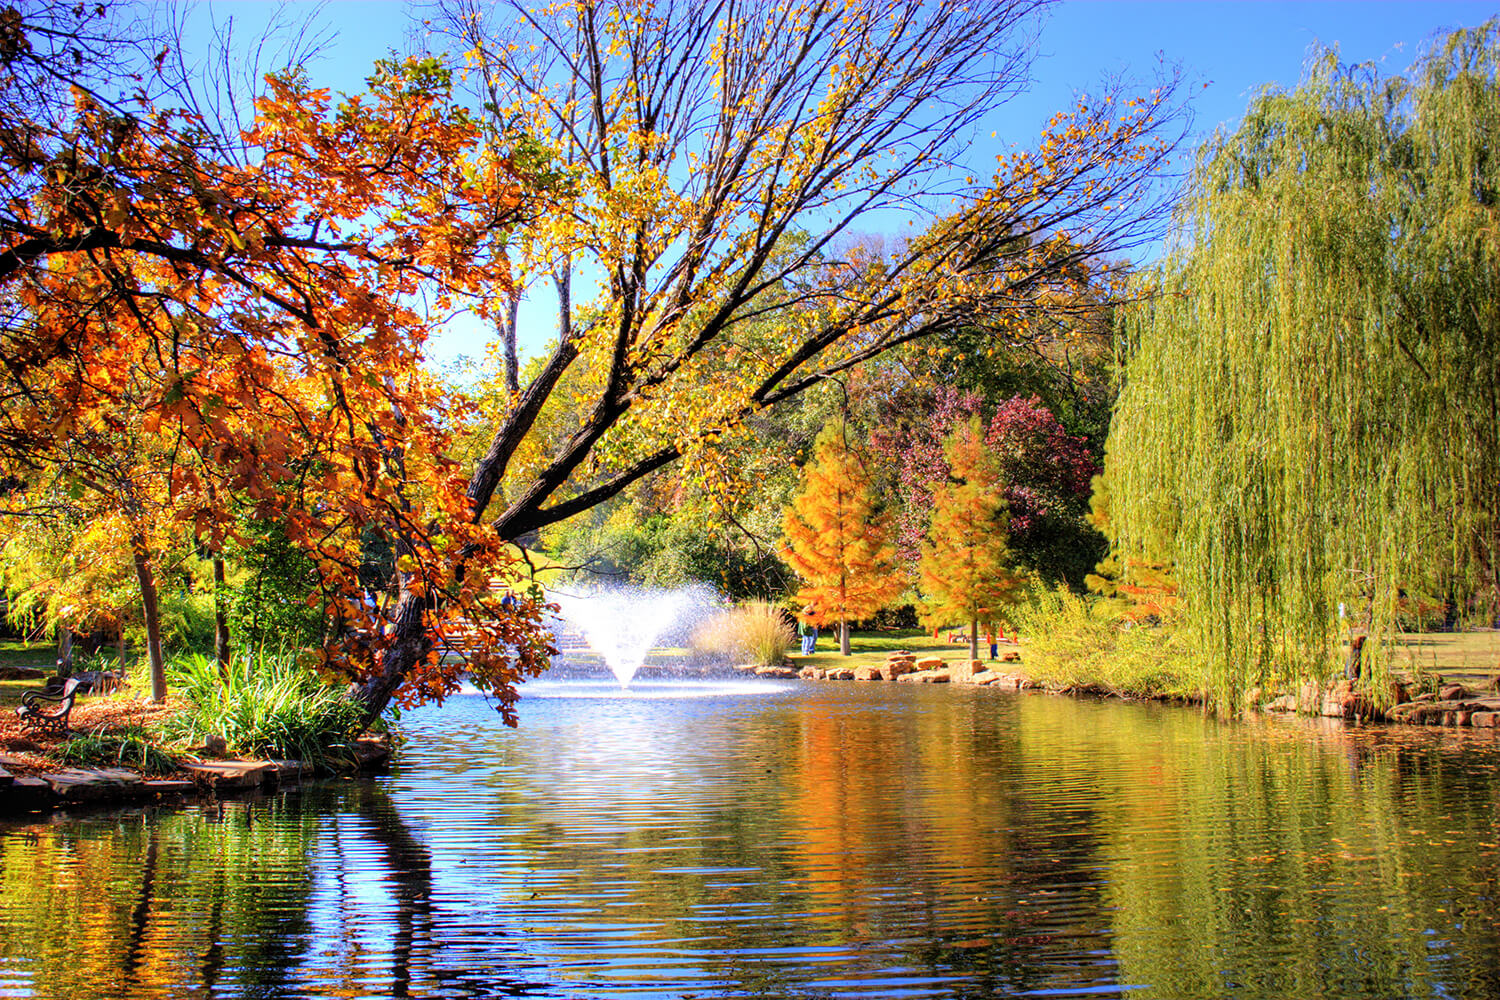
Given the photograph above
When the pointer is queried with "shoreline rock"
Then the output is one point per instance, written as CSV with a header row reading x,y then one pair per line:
x,y
207,779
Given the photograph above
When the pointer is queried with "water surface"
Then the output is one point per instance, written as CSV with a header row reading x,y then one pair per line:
x,y
795,840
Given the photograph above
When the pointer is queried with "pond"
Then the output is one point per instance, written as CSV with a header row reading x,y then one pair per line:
x,y
795,840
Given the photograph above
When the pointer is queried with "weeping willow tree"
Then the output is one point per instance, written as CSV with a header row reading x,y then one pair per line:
x,y
1310,414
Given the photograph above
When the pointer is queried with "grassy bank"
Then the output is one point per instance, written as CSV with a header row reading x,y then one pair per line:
x,y
873,648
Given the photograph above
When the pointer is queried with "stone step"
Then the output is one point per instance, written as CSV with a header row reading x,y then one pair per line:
x,y
93,785
231,775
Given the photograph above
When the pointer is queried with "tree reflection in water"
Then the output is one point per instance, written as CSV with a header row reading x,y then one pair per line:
x,y
845,841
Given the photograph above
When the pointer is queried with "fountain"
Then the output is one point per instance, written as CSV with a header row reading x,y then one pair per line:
x,y
621,624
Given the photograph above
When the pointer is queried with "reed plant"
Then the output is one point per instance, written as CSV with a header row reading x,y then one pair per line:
x,y
265,704
1072,640
755,632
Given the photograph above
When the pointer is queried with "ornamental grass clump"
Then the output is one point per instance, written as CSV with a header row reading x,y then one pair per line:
x,y
265,705
755,632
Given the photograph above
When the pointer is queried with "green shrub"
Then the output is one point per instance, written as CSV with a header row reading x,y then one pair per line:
x,y
1074,641
265,705
131,747
754,632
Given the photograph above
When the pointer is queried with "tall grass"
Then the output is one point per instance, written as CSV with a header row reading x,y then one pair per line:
x,y
1074,641
754,632
264,705
130,746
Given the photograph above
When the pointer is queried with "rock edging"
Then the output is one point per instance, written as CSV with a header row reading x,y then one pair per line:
x,y
76,786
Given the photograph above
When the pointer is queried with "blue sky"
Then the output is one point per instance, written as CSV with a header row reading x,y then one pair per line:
x,y
1227,51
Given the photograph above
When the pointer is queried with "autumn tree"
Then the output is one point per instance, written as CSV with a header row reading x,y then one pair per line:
x,y
696,175
258,304
1045,474
966,569
699,162
837,540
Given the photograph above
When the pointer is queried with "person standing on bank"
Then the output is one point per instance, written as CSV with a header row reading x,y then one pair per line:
x,y
807,628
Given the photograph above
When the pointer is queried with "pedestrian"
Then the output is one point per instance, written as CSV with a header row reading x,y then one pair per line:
x,y
808,629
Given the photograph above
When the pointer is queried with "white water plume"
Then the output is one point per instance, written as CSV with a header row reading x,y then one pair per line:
x,y
622,624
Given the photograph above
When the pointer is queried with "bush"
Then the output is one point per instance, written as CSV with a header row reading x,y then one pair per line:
x,y
265,705
754,632
131,747
1074,641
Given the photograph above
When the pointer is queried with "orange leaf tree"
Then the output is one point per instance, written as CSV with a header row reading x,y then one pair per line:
x,y
966,563
837,540
256,306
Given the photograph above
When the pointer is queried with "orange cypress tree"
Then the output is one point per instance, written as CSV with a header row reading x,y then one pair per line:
x,y
837,541
965,564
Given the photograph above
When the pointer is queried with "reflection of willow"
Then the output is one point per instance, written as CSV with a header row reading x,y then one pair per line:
x,y
1291,861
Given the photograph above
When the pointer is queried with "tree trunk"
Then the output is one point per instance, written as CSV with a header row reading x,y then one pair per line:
x,y
410,644
120,653
221,616
64,651
973,638
152,613
844,637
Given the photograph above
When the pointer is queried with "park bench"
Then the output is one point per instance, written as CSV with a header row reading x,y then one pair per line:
x,y
35,715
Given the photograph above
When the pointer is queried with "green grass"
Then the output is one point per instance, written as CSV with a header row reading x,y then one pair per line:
x,y
11,691
1472,656
133,747
872,648
15,653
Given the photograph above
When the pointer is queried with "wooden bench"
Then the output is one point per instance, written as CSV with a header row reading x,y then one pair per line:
x,y
35,715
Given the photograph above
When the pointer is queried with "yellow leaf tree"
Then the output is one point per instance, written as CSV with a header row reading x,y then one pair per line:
x,y
837,540
965,566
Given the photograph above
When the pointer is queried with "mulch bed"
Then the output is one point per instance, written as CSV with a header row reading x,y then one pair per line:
x,y
27,751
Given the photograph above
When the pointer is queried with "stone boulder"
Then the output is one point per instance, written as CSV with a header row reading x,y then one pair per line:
x,y
26,794
929,663
986,677
22,673
1286,703
925,677
896,666
1010,656
231,775
777,673
841,674
963,671
813,674
869,673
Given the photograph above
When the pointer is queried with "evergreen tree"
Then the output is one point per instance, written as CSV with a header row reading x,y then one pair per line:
x,y
966,562
836,539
